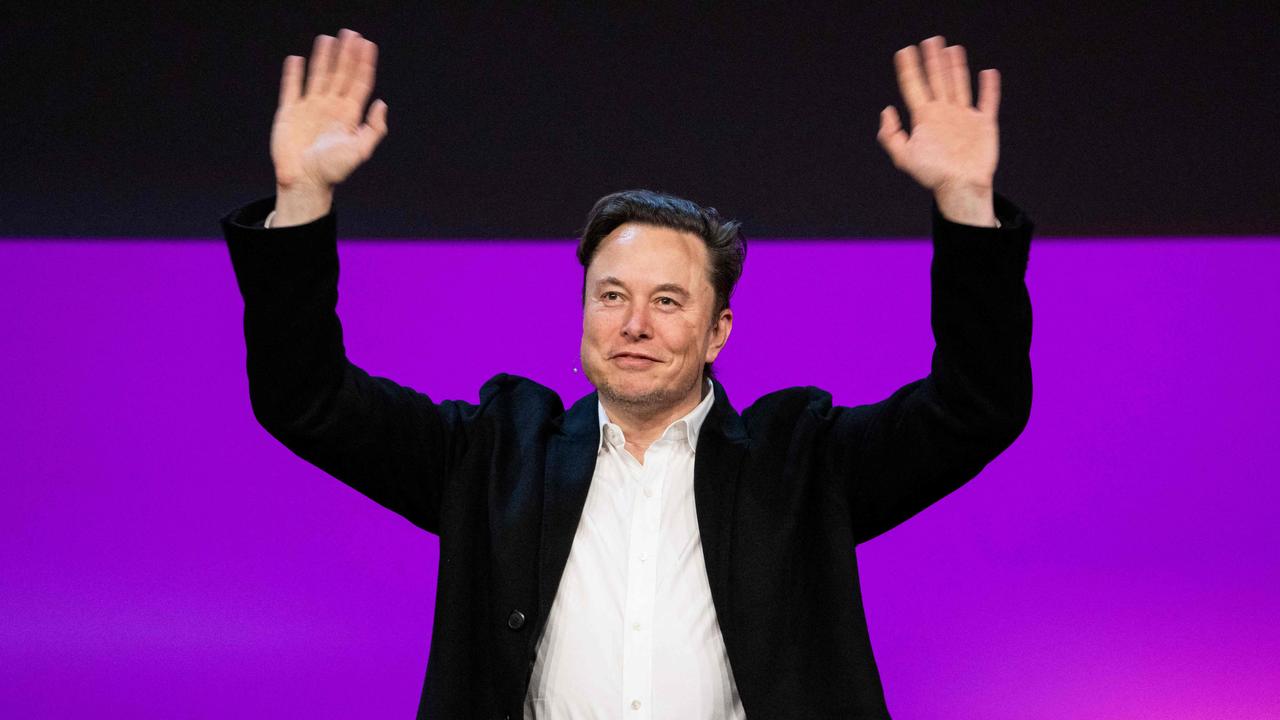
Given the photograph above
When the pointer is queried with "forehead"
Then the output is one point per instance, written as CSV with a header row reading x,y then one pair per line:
x,y
651,254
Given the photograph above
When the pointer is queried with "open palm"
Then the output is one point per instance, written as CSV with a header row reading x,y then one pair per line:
x,y
317,138
952,143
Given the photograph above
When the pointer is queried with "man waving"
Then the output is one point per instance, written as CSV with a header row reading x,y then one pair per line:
x,y
648,552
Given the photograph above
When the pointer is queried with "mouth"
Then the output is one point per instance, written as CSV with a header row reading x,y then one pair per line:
x,y
633,360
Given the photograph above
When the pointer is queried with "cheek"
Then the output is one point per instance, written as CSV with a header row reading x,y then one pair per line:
x,y
683,335
674,338
595,329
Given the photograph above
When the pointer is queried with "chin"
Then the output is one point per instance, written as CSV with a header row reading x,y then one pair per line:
x,y
630,384
631,390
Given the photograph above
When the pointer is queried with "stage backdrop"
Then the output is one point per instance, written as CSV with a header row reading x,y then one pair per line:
x,y
161,556
509,119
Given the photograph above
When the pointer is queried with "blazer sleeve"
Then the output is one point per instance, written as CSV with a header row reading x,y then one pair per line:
x,y
898,456
387,441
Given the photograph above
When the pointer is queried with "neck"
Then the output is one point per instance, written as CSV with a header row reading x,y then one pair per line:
x,y
643,425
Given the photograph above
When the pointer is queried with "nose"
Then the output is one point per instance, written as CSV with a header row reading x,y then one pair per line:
x,y
637,326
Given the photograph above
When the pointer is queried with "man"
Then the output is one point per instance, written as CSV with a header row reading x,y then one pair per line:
x,y
650,553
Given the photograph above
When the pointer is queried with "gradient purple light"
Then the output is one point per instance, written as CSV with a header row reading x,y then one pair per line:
x,y
162,556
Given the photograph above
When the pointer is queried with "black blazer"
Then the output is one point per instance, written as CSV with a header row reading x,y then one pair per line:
x,y
783,491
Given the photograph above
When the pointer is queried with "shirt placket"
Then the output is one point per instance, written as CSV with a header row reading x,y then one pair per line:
x,y
637,645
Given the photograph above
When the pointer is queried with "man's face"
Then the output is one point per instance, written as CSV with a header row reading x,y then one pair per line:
x,y
646,319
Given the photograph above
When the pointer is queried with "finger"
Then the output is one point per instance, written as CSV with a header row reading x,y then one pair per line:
x,y
318,67
362,83
291,80
911,82
891,135
369,134
350,47
989,91
936,70
958,67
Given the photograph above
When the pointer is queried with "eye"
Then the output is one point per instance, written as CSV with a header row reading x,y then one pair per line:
x,y
668,302
610,296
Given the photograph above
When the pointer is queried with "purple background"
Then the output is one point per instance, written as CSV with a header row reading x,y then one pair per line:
x,y
162,556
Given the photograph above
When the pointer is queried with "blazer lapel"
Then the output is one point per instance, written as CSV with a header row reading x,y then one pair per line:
x,y
722,447
571,462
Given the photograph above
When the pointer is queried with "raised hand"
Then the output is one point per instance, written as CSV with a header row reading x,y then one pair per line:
x,y
953,146
318,137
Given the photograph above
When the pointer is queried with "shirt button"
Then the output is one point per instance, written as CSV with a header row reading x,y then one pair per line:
x,y
644,556
635,704
515,620
648,492
635,626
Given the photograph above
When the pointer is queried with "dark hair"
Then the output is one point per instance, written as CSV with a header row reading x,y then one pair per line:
x,y
726,247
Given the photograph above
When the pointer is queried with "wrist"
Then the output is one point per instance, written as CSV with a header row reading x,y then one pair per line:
x,y
301,204
967,203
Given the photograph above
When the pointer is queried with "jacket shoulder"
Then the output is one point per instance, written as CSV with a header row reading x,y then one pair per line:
x,y
507,394
780,410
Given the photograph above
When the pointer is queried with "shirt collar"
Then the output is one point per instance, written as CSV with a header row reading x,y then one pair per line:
x,y
691,423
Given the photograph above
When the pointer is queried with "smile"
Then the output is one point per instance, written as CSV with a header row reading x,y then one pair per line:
x,y
633,361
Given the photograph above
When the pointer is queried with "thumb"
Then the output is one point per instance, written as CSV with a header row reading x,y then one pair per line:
x,y
891,135
374,128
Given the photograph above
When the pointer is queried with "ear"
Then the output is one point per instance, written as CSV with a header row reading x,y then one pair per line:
x,y
719,334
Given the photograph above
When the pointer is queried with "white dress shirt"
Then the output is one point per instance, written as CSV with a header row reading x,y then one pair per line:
x,y
632,633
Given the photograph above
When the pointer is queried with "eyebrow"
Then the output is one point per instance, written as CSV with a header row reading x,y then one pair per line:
x,y
664,287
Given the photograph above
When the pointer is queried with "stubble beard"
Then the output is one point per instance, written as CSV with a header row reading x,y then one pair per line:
x,y
647,402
